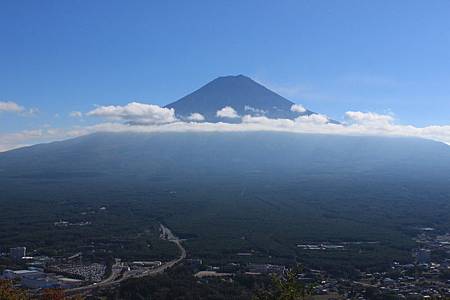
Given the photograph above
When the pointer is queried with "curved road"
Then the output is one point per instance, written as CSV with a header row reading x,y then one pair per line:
x,y
113,279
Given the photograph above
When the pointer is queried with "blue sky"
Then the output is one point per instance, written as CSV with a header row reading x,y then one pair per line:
x,y
331,56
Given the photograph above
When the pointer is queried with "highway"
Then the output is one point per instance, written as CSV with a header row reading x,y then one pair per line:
x,y
114,278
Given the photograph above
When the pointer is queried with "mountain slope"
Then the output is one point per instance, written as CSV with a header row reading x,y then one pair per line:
x,y
145,154
241,93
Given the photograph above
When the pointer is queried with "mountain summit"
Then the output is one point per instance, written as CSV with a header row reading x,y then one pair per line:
x,y
244,95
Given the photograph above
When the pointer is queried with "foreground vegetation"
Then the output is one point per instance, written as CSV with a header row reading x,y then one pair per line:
x,y
179,283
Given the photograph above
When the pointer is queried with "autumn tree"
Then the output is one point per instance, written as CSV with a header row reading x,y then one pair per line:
x,y
286,288
8,292
53,294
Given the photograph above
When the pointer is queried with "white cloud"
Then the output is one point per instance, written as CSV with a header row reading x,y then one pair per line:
x,y
227,112
11,107
267,122
298,108
262,123
304,124
136,113
23,138
315,123
76,114
368,117
196,117
255,110
313,118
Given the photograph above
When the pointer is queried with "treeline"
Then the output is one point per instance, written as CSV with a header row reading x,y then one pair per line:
x,y
179,283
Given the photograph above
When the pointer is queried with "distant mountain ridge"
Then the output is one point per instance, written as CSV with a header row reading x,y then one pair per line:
x,y
240,92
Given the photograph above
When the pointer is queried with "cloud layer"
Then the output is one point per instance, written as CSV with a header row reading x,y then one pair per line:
x,y
139,117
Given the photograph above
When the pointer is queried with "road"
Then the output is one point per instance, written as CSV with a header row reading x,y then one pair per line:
x,y
115,278
166,234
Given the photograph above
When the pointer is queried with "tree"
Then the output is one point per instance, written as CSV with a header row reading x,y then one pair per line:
x,y
53,294
286,288
8,292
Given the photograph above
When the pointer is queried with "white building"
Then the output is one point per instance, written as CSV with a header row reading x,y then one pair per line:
x,y
17,253
19,274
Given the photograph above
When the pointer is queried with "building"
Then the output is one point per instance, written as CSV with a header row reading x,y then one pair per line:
x,y
35,279
68,283
18,274
17,253
266,269
152,264
194,262
61,223
231,268
45,281
39,281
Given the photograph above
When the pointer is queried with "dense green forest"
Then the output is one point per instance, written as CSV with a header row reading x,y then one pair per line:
x,y
226,194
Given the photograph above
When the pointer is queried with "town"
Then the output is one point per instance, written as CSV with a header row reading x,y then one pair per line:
x,y
427,276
